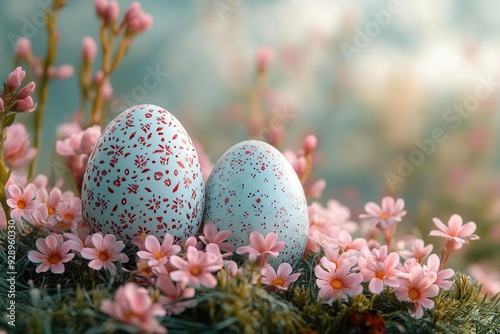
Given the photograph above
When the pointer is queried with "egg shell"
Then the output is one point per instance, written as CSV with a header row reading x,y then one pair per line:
x,y
144,177
254,188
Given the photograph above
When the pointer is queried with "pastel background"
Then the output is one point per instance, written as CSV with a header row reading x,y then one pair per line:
x,y
376,88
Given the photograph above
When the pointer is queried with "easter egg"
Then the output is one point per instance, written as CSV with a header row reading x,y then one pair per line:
x,y
254,188
144,177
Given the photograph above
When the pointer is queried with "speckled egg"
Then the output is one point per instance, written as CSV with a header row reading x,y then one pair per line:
x,y
144,177
254,188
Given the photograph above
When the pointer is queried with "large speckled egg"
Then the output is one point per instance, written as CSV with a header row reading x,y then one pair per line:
x,y
144,177
254,188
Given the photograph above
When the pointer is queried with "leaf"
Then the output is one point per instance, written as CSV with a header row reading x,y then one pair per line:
x,y
9,119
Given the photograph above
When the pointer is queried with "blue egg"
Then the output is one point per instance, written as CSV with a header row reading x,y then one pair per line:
x,y
143,177
254,188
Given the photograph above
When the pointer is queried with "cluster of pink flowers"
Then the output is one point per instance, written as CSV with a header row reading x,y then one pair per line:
x,y
76,148
346,263
412,274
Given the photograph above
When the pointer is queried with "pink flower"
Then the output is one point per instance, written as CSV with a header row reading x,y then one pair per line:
x,y
22,202
80,238
488,277
211,235
89,49
53,253
76,149
192,242
315,190
172,293
79,143
433,264
136,20
134,306
105,251
280,279
231,267
386,216
18,152
379,269
51,199
334,254
260,249
413,247
455,232
417,289
15,78
70,212
348,245
335,283
159,254
298,162
65,130
197,268
40,216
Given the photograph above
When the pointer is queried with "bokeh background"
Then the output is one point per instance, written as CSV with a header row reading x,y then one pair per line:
x,y
372,79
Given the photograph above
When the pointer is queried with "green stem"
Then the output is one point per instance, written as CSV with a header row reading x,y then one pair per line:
x,y
3,170
43,88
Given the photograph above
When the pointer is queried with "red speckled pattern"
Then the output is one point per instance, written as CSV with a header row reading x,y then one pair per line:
x,y
144,177
254,188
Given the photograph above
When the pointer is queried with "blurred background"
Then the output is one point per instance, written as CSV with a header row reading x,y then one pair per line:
x,y
402,95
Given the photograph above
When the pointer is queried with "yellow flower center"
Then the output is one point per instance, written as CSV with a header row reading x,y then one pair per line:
x,y
159,255
413,294
278,282
51,210
195,271
379,274
384,216
55,258
103,257
336,284
69,217
21,205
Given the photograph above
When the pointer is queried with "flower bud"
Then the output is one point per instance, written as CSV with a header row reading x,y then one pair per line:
x,y
112,12
62,72
264,57
22,47
100,7
310,143
15,78
1,104
136,20
26,91
89,49
25,105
